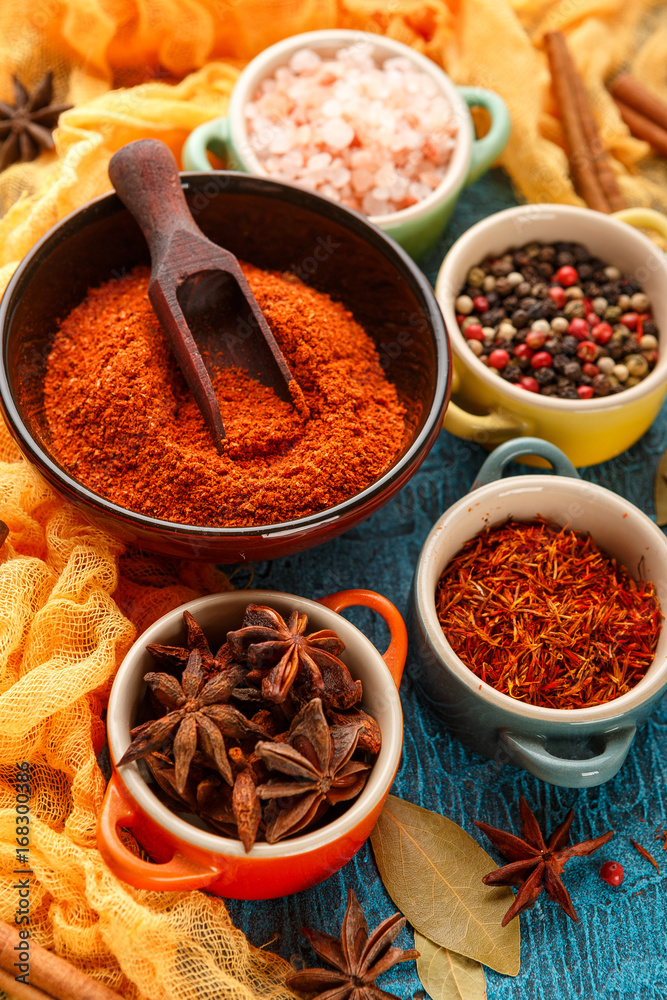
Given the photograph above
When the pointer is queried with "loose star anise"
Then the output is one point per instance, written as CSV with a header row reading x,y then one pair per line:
x,y
25,126
176,657
534,865
316,761
197,713
357,958
280,655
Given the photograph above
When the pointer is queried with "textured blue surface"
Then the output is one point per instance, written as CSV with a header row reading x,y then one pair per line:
x,y
618,948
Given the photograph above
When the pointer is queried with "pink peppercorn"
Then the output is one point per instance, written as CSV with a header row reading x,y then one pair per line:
x,y
612,873
601,333
585,391
630,320
480,304
590,369
473,331
531,384
498,358
535,339
523,352
579,328
541,359
587,350
558,296
567,275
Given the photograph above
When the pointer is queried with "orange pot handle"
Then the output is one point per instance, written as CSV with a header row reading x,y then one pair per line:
x,y
176,874
397,650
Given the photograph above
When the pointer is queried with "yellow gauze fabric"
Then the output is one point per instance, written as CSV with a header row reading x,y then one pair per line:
x,y
71,599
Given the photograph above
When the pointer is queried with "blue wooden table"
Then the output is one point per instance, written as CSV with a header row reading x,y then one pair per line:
x,y
619,947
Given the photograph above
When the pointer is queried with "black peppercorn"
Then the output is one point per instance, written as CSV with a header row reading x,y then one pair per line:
x,y
569,345
519,318
512,372
544,376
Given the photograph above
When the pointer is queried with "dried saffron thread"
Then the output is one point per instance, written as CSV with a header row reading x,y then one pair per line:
x,y
644,853
541,614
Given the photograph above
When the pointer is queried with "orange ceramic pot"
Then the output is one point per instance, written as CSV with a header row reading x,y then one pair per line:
x,y
189,857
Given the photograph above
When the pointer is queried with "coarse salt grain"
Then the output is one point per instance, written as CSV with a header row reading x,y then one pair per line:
x,y
377,137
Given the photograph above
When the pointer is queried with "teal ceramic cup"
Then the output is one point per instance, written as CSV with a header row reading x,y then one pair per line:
x,y
574,748
416,228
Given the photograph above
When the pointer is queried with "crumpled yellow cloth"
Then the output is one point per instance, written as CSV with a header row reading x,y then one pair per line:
x,y
70,598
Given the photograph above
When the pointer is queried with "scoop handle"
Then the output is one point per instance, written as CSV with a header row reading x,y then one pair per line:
x,y
145,176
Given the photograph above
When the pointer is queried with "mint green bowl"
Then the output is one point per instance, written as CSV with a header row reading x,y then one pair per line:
x,y
416,228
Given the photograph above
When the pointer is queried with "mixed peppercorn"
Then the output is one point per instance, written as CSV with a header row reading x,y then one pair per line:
x,y
554,319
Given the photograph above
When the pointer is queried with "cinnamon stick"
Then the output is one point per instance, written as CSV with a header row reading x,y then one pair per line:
x,y
19,991
598,154
643,128
631,92
47,972
581,168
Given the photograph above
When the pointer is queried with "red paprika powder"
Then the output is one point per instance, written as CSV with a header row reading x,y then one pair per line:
x,y
124,423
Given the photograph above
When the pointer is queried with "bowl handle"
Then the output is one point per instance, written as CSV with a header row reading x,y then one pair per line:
x,y
530,752
494,466
485,151
643,218
178,873
483,428
397,650
213,136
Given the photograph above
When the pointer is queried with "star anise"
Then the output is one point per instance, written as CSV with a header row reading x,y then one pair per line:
x,y
357,958
280,655
25,126
534,865
176,657
196,713
318,769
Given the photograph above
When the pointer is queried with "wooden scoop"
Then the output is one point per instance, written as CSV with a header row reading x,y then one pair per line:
x,y
197,289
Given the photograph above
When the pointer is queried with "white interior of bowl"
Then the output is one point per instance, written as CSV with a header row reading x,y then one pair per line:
x,y
326,43
614,242
218,614
618,527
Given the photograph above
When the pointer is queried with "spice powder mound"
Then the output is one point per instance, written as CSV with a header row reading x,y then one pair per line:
x,y
124,423
543,615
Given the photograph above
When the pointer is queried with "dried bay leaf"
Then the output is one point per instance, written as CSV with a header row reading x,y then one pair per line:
x,y
433,871
661,491
446,975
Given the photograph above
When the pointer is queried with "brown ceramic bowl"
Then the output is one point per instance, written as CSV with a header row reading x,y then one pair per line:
x,y
272,225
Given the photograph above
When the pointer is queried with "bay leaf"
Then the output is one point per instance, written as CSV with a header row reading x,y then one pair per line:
x,y
660,491
445,975
432,869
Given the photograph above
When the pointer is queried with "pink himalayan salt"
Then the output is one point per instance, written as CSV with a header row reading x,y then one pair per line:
x,y
378,138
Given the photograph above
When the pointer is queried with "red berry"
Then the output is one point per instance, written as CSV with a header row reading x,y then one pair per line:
x,y
541,359
535,339
460,318
590,369
592,318
579,328
498,358
558,296
523,352
531,384
612,873
585,391
480,303
630,320
587,350
567,275
473,331
588,304
601,333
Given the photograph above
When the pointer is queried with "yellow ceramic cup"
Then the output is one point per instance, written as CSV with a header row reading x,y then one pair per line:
x,y
489,410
